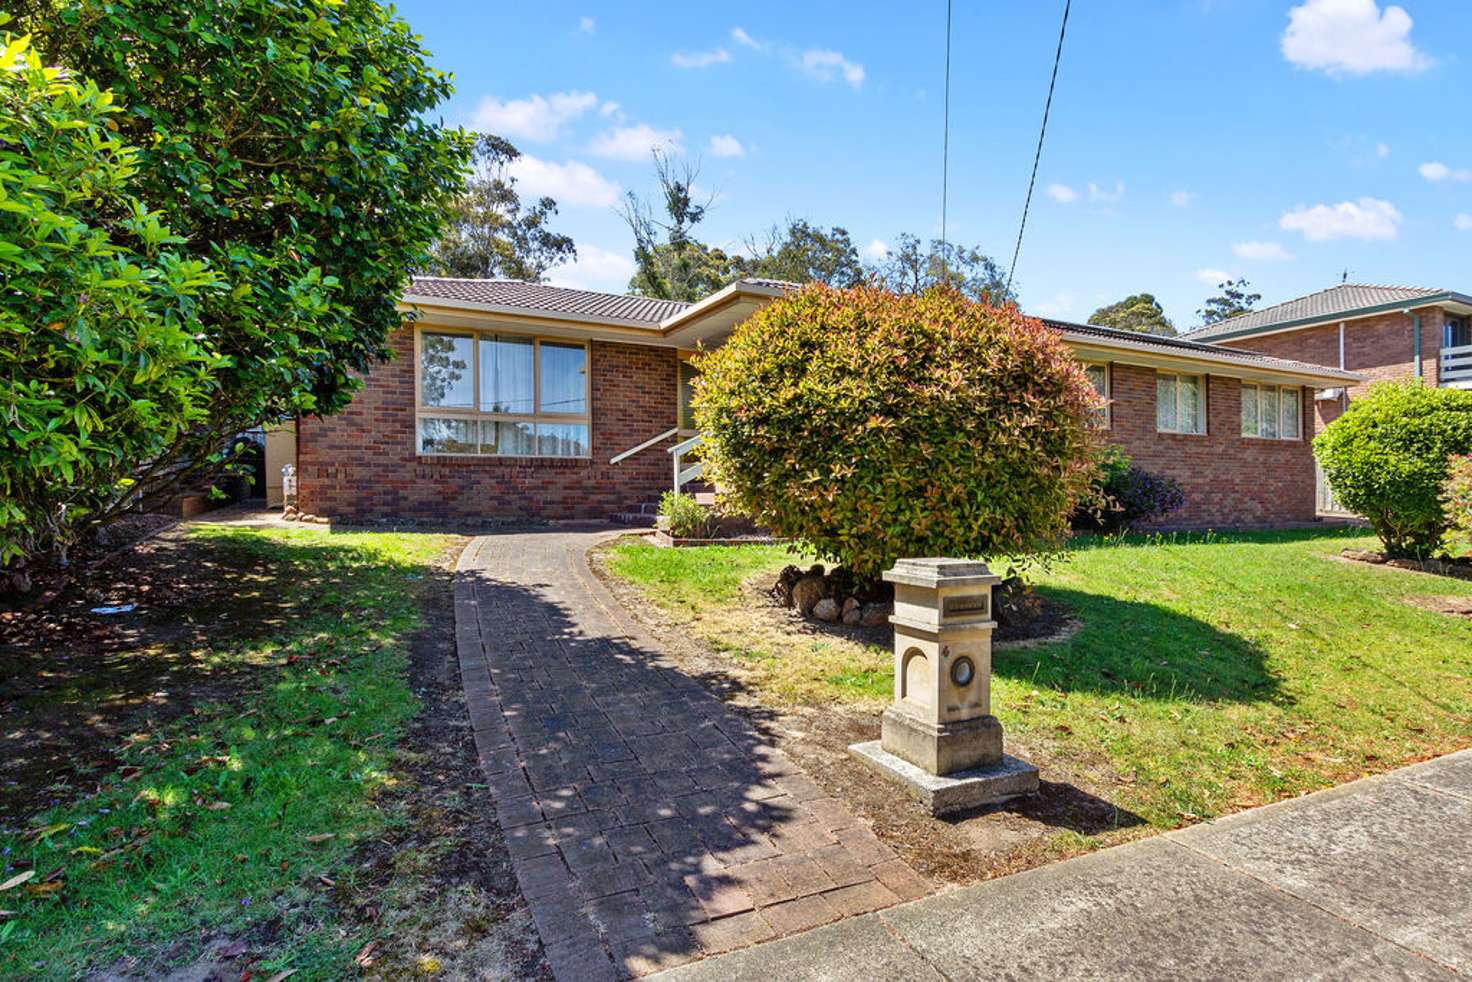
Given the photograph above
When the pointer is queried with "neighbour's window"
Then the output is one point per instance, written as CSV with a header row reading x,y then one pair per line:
x,y
1180,403
1457,333
1098,373
1271,411
503,395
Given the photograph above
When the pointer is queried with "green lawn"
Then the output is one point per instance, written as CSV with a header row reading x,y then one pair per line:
x,y
228,818
1211,673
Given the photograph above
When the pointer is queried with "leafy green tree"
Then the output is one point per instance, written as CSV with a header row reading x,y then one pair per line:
x,y
1139,312
1234,299
490,233
804,253
670,263
1388,459
98,316
869,426
290,144
910,267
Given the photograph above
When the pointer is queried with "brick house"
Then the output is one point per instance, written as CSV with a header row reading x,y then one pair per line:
x,y
1377,332
510,399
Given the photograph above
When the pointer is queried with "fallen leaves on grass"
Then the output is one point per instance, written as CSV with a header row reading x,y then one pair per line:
x,y
320,837
17,880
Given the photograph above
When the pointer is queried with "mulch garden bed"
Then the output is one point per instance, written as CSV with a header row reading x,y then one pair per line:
x,y
1459,567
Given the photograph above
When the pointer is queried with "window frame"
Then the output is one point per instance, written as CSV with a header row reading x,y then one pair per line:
x,y
1283,391
1203,380
475,414
1105,415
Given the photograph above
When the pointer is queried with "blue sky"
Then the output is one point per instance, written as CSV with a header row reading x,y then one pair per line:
x,y
1281,141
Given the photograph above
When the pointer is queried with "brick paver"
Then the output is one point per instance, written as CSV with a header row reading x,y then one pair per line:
x,y
648,826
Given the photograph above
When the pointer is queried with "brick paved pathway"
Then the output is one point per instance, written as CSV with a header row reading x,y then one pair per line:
x,y
648,825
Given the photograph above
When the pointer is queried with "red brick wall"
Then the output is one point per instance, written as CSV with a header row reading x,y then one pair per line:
x,y
361,463
1229,479
1379,348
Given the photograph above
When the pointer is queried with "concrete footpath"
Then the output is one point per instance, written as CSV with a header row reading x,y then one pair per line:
x,y
1368,880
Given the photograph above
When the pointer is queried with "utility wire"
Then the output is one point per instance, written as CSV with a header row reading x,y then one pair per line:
x,y
945,152
1038,156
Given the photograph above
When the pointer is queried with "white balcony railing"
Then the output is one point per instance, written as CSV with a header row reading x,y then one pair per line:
x,y
1456,367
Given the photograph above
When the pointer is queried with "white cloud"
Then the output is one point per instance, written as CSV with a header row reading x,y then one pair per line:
x,y
1351,37
746,40
1382,150
1463,221
1182,199
537,118
1062,193
1261,251
1056,307
596,268
700,59
1366,218
825,66
1212,277
636,142
726,145
1097,193
587,25
1435,170
572,183
876,249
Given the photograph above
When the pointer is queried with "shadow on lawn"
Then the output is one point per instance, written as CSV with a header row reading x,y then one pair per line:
x,y
75,685
1143,651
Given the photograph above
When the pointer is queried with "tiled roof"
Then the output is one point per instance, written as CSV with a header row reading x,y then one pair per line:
x,y
554,299
1335,302
1185,346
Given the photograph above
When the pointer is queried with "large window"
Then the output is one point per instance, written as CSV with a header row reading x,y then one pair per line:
x,y
1180,403
1271,411
1457,333
1098,373
502,394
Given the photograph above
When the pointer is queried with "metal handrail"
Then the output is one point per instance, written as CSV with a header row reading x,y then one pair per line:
x,y
644,446
686,445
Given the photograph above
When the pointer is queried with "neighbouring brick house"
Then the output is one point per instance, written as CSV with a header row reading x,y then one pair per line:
x,y
510,399
1377,332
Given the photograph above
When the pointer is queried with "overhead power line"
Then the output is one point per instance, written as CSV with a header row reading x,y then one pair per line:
x,y
945,152
1038,155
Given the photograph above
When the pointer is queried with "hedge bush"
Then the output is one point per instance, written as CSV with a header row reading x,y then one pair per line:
x,y
870,427
1386,459
1125,495
1457,496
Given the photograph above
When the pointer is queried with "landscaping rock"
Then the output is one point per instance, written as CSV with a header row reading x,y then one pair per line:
x,y
853,617
786,580
1364,556
826,609
851,611
874,615
806,593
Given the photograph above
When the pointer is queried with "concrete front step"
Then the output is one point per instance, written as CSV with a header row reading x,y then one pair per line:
x,y
638,519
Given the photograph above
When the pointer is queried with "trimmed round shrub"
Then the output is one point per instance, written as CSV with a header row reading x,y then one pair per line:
x,y
1386,459
870,427
1125,495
